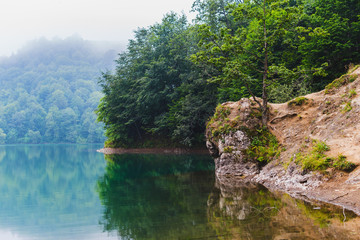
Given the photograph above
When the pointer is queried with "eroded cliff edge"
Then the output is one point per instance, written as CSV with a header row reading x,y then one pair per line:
x,y
331,116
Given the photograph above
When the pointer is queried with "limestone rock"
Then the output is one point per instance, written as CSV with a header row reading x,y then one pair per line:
x,y
229,149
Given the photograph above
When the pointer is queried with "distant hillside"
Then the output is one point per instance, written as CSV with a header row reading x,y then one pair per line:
x,y
49,91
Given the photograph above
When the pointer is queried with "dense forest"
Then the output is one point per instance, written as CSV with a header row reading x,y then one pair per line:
x,y
49,91
174,73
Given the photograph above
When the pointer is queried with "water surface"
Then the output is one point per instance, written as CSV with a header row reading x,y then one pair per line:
x,y
48,192
73,192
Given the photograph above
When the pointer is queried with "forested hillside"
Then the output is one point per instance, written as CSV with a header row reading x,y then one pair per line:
x,y
174,73
49,91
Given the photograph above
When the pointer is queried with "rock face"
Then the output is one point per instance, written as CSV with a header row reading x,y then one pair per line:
x,y
229,149
331,116
231,161
229,154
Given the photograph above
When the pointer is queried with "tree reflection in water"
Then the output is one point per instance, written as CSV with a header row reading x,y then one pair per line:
x,y
178,197
157,196
47,191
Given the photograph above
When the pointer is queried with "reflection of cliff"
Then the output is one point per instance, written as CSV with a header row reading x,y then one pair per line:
x,y
238,210
156,197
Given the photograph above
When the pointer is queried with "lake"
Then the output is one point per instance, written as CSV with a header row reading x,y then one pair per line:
x,y
73,192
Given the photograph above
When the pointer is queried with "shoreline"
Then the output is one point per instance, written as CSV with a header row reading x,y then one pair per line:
x,y
340,195
109,151
310,187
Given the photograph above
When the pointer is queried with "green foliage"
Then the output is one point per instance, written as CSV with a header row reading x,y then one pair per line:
x,y
245,50
264,146
352,93
352,78
228,149
220,124
337,83
224,129
332,38
347,108
320,147
298,101
342,164
156,92
173,74
221,112
49,92
316,158
280,93
299,54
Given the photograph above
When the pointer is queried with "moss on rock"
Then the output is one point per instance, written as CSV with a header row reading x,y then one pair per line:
x,y
264,146
245,117
313,157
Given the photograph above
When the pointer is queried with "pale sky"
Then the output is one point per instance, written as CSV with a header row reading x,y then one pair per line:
x,y
103,20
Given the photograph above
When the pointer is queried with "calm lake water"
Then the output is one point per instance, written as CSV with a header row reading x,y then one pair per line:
x,y
73,192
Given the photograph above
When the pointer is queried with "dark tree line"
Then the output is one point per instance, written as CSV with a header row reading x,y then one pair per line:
x,y
174,73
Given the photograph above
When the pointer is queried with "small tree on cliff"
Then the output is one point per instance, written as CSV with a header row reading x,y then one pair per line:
x,y
247,52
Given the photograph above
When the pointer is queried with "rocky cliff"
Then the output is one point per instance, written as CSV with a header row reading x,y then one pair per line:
x,y
317,148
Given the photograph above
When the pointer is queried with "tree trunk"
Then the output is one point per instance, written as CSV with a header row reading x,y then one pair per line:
x,y
265,109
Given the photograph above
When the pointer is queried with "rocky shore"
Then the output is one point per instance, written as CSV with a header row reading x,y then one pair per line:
x,y
330,116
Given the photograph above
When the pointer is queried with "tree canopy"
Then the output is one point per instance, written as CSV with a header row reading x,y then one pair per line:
x,y
49,92
173,73
156,93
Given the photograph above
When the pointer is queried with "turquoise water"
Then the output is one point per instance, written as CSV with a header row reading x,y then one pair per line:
x,y
48,192
73,192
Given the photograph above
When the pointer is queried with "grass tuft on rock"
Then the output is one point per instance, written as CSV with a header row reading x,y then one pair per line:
x,y
342,164
347,108
341,81
264,146
316,158
298,101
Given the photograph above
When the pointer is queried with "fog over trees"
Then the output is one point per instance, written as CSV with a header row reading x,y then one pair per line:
x,y
49,91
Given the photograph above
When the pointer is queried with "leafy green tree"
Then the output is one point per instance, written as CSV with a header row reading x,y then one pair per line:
x,y
249,52
33,137
331,37
144,100
2,136
12,136
48,86
173,74
58,99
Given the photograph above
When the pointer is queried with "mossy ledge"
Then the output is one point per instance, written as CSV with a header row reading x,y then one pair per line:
x,y
309,148
235,136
